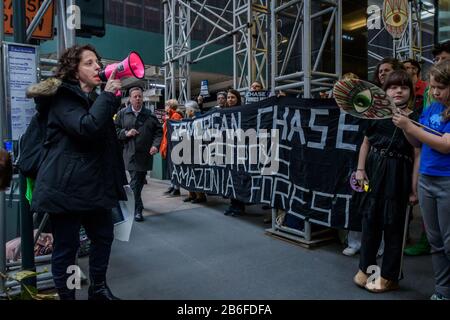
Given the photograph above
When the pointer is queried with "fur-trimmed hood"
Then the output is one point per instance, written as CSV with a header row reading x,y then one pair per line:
x,y
45,88
45,91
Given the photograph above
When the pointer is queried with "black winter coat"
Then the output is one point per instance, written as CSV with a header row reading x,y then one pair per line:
x,y
83,169
136,150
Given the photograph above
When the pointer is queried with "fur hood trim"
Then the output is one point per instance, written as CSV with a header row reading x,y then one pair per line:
x,y
46,88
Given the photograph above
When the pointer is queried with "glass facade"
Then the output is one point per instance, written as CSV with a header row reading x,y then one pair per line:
x,y
137,14
148,15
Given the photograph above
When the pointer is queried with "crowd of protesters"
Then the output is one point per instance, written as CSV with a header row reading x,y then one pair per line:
x,y
405,164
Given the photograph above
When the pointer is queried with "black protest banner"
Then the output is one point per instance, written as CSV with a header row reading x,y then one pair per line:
x,y
293,154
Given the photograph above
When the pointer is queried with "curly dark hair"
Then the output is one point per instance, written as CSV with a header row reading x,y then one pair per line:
x,y
69,61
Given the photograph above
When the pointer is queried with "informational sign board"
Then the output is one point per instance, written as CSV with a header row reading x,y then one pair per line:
x,y
256,96
20,71
44,30
204,91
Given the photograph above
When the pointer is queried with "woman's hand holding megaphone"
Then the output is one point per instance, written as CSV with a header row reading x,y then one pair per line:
x,y
113,85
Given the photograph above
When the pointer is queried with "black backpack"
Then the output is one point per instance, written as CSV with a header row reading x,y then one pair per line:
x,y
33,145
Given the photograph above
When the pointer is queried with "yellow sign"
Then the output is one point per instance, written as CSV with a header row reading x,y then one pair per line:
x,y
44,30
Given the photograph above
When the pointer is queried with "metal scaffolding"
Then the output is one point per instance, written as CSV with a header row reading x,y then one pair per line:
x,y
250,44
309,76
177,44
258,32
245,21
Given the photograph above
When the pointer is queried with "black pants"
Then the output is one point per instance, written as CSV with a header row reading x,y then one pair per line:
x,y
66,240
237,205
372,231
137,183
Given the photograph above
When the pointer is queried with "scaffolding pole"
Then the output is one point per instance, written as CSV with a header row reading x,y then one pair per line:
x,y
250,44
307,77
66,36
2,136
287,72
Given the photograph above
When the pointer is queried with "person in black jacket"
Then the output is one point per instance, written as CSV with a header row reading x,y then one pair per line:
x,y
6,169
82,177
141,134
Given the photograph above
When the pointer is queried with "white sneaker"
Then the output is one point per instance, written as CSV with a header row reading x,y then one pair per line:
x,y
350,251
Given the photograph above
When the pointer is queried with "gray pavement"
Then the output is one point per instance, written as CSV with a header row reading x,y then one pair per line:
x,y
187,251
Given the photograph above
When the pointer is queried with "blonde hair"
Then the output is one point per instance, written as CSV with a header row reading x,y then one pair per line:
x,y
172,103
349,76
441,73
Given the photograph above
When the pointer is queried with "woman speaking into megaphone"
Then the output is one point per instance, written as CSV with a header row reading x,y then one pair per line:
x,y
82,175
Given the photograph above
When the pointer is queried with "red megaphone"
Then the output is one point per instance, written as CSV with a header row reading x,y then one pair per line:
x,y
131,66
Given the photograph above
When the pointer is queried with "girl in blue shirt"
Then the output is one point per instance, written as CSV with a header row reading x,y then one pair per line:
x,y
434,178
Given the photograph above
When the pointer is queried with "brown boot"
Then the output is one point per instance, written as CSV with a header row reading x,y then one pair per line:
x,y
381,285
360,279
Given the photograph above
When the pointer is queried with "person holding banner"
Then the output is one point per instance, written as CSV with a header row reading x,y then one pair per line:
x,y
236,206
386,161
434,179
82,176
221,99
256,86
200,103
192,111
172,114
233,98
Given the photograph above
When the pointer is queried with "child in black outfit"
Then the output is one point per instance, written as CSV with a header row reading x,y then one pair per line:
x,y
386,160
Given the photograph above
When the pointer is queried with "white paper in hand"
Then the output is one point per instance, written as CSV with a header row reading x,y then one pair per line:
x,y
122,229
